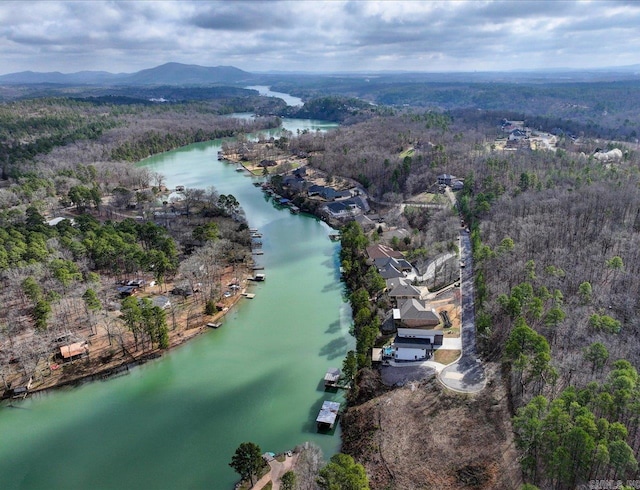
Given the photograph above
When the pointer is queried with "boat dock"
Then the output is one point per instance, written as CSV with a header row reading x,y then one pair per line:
x,y
328,415
332,378
259,277
214,325
249,295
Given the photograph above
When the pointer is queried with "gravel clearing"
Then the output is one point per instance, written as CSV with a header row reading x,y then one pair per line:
x,y
401,375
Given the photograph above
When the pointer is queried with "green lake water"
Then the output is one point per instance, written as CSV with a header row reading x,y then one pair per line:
x,y
174,423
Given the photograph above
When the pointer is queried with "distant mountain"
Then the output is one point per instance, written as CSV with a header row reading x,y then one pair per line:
x,y
78,78
179,74
167,74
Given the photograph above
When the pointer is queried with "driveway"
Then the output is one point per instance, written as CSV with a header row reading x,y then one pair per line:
x,y
467,374
277,469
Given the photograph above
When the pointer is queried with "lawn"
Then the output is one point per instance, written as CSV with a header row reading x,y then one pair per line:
x,y
446,356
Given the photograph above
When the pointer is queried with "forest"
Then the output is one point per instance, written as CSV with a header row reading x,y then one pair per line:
x,y
554,233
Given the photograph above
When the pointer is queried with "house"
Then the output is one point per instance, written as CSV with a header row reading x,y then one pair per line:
x,y
415,344
390,273
127,290
161,302
359,201
395,282
457,185
445,179
365,222
343,194
517,135
379,250
328,193
340,210
74,351
294,183
328,415
413,313
404,291
300,172
400,264
314,190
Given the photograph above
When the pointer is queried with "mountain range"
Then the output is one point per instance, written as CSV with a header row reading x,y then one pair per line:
x,y
167,74
195,75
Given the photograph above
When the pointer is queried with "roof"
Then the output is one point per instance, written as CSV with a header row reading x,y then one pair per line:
x,y
390,273
336,208
400,264
376,354
405,290
364,220
333,374
411,343
72,350
328,193
328,413
55,221
418,333
359,201
395,282
161,301
379,251
412,309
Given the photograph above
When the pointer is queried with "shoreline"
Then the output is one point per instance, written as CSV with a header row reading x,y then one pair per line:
x,y
102,372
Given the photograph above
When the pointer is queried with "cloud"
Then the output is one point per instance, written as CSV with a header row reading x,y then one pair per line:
x,y
318,35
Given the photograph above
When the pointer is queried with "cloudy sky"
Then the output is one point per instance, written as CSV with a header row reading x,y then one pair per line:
x,y
306,35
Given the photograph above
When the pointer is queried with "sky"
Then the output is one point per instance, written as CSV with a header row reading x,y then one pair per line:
x,y
319,36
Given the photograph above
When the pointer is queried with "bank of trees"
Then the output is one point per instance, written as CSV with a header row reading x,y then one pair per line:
x,y
364,283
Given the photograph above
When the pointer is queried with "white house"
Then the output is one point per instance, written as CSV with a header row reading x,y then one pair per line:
x,y
415,344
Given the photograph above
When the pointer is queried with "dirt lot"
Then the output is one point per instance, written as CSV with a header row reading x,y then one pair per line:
x,y
422,436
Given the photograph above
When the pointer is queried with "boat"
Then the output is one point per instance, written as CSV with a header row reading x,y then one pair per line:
x,y
249,295
214,325
259,277
239,168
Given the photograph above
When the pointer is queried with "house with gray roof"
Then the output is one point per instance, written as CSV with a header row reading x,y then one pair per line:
x,y
415,314
390,273
416,344
404,291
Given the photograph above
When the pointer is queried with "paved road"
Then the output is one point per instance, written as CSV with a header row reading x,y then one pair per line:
x,y
467,374
431,268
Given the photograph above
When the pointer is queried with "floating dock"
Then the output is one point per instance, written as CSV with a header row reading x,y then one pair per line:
x,y
214,325
249,295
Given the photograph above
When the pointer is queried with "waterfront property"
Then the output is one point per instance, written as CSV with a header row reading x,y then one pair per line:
x,y
74,351
414,344
413,313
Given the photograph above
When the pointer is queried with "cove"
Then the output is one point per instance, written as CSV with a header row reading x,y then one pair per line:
x,y
174,423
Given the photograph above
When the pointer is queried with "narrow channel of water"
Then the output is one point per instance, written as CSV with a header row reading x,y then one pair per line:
x,y
265,90
174,423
